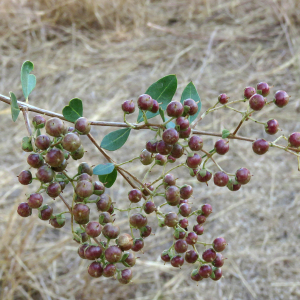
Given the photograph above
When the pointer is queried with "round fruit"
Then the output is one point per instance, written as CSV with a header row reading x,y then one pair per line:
x,y
193,161
174,109
54,157
149,207
180,246
201,219
249,92
84,189
264,88
185,209
163,148
25,177
99,187
137,220
81,213
223,98
191,256
218,275
177,261
219,260
160,159
169,180
45,174
81,249
35,200
205,271
111,231
221,179
146,157
145,102
151,146
24,210
53,189
135,196
57,223
177,151
78,154
186,191
130,260
192,107
82,125
257,102
171,219
219,244
170,136
71,142
93,229
165,256
104,203
128,107
105,217
195,275
191,238
207,177
43,142
61,167
221,147
173,194
281,98
242,176
95,269
110,270
93,252
294,139
125,276
38,121
125,241
113,254
155,107
55,127
195,143
149,187
145,231
206,210
260,146
138,244
198,229
45,212
209,255
184,134
183,123
233,185
272,126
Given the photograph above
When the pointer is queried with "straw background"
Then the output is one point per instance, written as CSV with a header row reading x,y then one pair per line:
x,y
107,51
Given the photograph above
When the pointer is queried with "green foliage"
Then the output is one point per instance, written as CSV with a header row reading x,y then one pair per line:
x,y
225,133
109,179
162,91
190,92
103,169
74,110
116,139
15,110
28,80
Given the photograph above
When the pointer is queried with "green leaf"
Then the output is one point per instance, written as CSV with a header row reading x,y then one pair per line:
x,y
15,110
190,92
162,114
225,133
103,169
116,139
28,80
74,110
38,132
162,91
109,179
202,172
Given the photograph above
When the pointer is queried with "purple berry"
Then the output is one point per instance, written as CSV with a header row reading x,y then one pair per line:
x,y
137,220
177,151
272,126
151,146
191,238
207,176
138,244
195,143
192,107
206,209
198,229
257,102
171,219
25,177
55,127
125,276
186,191
193,161
110,231
219,244
160,159
217,274
146,157
219,260
184,223
294,139
135,196
195,275
84,189
35,200
163,148
54,157
155,107
99,187
165,256
81,250
43,142
209,255
177,261
104,203
242,176
174,109
45,212
191,256
35,160
128,107
260,146
93,252
201,219
223,98
281,98
185,209
125,241
145,102
249,92
71,142
221,179
221,147
149,207
24,210
38,121
264,88
184,134
95,269
110,270
81,213
45,174
205,271
172,194
82,125
93,229
180,246
170,136
233,185
183,123
53,189
145,231
113,254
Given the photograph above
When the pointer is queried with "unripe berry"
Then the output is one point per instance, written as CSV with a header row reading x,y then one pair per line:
x,y
219,244
171,219
180,246
186,191
138,244
221,179
193,161
272,126
93,229
281,98
169,180
45,212
249,92
53,189
95,269
221,146
205,271
93,252
110,270
84,189
257,102
146,157
198,229
151,146
135,196
185,209
191,238
137,220
43,142
294,139
149,207
45,174
71,142
54,157
128,107
81,213
25,177
260,146
195,143
160,159
85,168
99,187
207,177
145,231
55,127
78,154
264,88
111,231
177,151
165,256
242,176
183,123
233,185
219,260
125,276
26,144
38,121
192,107
206,209
209,255
145,102
174,109
177,261
24,210
155,107
223,98
191,256
217,275
163,148
82,125
35,200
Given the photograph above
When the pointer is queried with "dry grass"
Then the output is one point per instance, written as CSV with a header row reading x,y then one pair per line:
x,y
104,53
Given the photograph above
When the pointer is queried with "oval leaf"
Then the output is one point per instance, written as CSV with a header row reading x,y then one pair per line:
x,y
28,80
109,179
116,139
190,92
103,169
15,109
225,133
163,91
74,110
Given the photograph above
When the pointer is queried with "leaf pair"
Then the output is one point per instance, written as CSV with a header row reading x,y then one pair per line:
x,y
107,174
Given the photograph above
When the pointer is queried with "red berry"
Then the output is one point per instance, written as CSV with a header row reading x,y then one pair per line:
x,y
149,207
165,256
81,213
191,238
160,159
113,254
218,274
249,92
169,179
128,107
193,161
104,203
145,231
257,102
184,223
95,269
205,271
174,109
170,136
186,191
155,107
125,276
177,151
163,148
184,134
223,98
172,194
25,177
35,200
110,270
233,185
272,126
53,189
138,244
185,209
93,252
81,250
204,178
198,229
177,261
146,157
192,105
195,143
180,246
137,220
209,255
195,275
221,179
264,88
125,241
93,229
35,160
281,98
82,125
151,146
219,260
294,139
221,147
54,157
145,102
171,219
201,219
191,256
135,196
219,244
24,210
260,146
182,123
43,142
45,212
55,127
242,176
